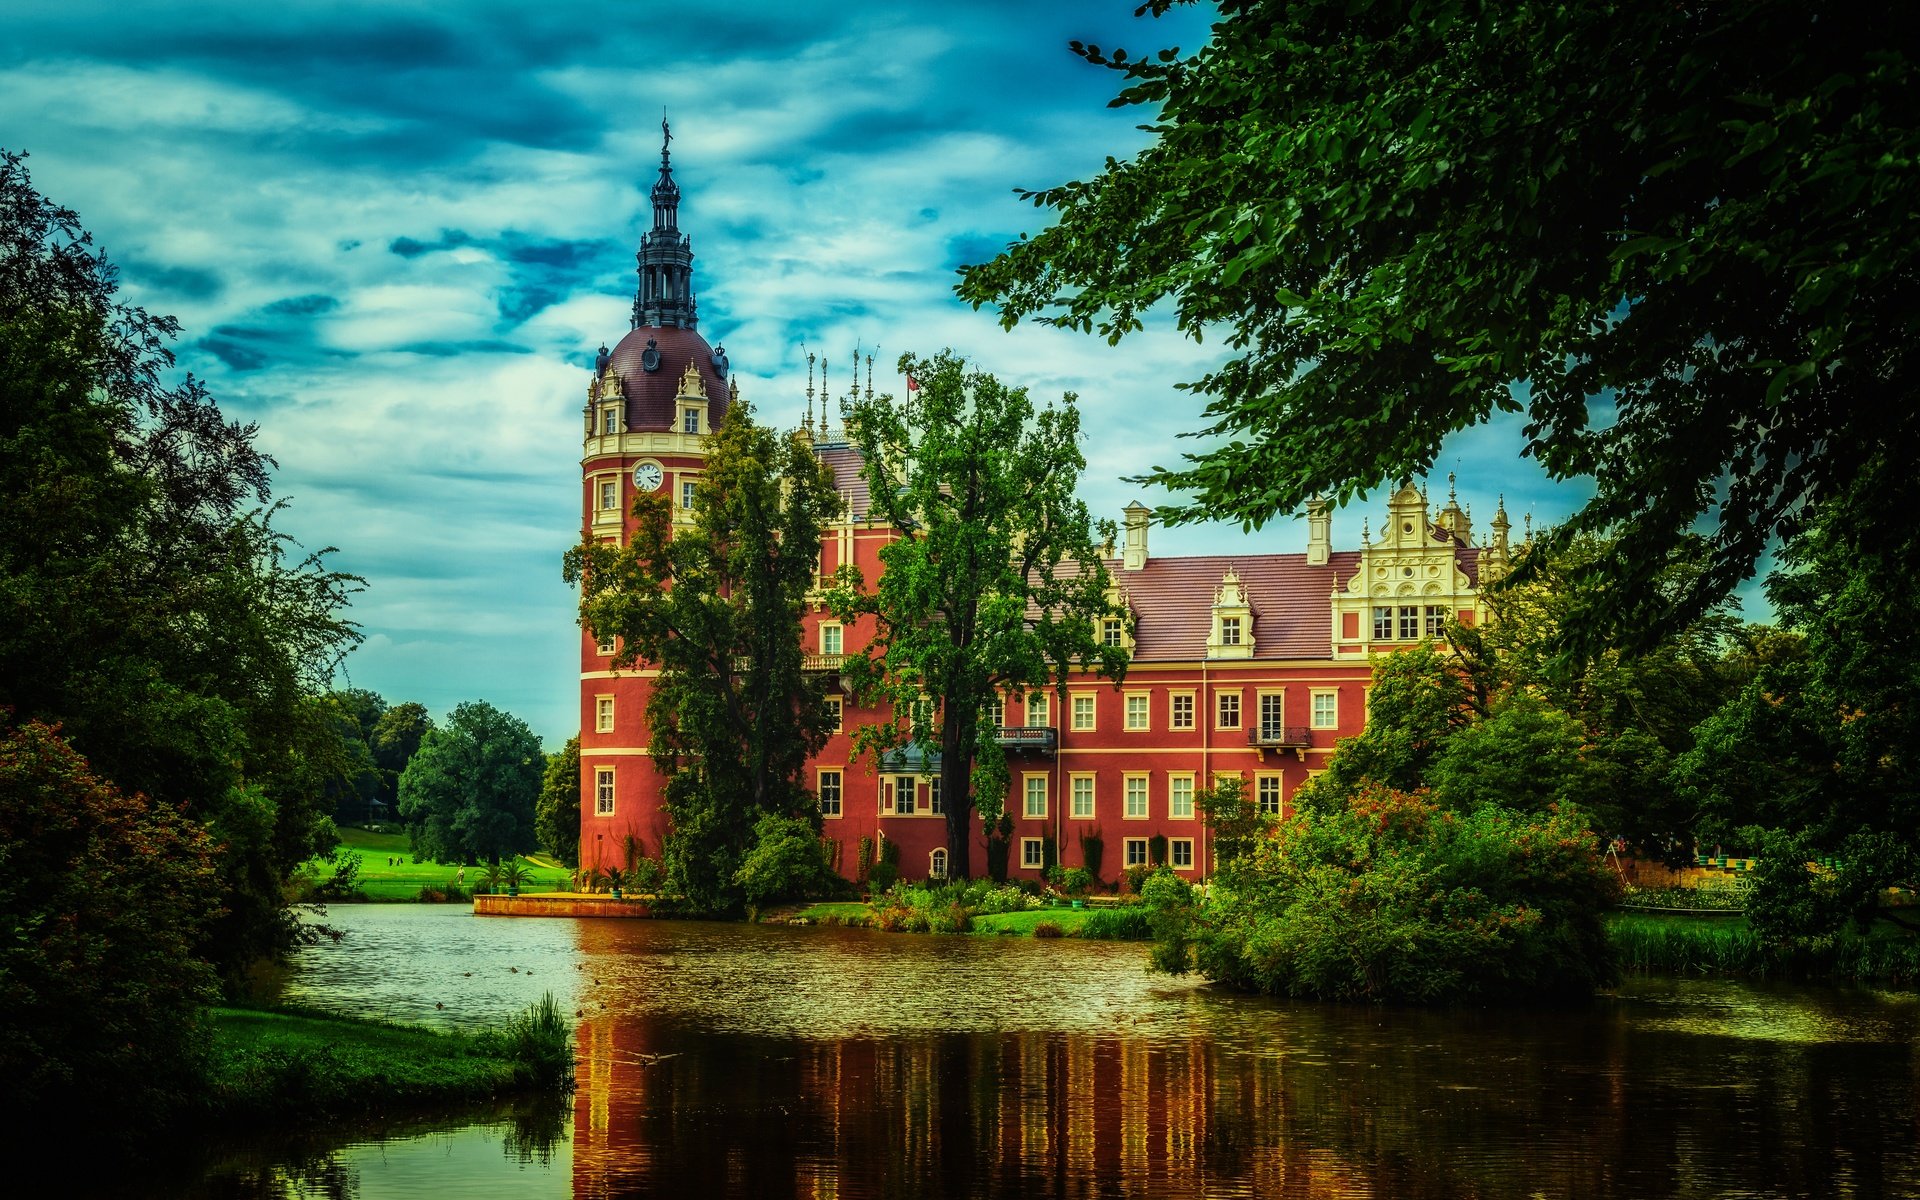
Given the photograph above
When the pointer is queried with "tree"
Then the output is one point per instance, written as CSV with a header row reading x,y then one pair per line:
x,y
715,608
356,714
105,899
395,740
556,815
1677,236
470,791
147,604
996,583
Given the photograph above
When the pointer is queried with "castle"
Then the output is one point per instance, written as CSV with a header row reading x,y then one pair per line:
x,y
1243,664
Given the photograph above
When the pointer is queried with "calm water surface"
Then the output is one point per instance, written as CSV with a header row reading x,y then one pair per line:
x,y
730,1060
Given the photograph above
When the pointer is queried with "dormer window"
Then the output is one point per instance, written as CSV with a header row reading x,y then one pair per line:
x,y
1229,631
1113,632
609,421
690,420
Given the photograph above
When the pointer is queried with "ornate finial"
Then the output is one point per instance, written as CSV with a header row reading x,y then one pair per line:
x,y
824,393
1529,527
1366,535
1451,496
869,376
666,139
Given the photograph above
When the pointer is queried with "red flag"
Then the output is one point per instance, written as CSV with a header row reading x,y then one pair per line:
x,y
913,385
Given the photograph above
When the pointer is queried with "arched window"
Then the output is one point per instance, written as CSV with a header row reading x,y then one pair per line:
x,y
937,868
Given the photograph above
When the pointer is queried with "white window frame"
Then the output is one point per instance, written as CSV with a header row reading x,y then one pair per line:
x,y
832,637
1090,794
1174,848
1175,803
1113,631
837,706
686,494
902,795
604,794
1382,623
689,420
1221,701
937,863
1143,711
609,495
1272,703
936,804
1133,852
1436,621
1260,795
1028,780
1092,705
1129,795
1033,854
1039,709
832,798
603,714
1229,631
603,646
1330,720
996,713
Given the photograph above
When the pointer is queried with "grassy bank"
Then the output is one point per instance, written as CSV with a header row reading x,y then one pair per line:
x,y
1120,923
1649,944
388,872
271,1064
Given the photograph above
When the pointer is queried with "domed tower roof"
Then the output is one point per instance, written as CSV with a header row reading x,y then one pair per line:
x,y
651,392
652,360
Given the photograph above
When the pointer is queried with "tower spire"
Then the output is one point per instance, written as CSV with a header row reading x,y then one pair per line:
x,y
665,262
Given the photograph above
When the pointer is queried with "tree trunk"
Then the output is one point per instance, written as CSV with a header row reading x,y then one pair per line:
x,y
956,791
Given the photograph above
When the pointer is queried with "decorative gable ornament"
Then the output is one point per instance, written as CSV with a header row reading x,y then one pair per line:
x,y
1232,632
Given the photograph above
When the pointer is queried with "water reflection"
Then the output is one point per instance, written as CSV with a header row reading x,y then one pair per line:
x,y
726,1060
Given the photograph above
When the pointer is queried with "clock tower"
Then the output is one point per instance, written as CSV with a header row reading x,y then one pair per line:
x,y
653,400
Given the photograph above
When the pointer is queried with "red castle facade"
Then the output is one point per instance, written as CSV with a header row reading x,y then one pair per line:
x,y
1248,664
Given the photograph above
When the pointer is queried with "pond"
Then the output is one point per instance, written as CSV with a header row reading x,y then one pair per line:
x,y
737,1060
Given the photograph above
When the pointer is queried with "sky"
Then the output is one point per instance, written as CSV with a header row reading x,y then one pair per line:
x,y
394,234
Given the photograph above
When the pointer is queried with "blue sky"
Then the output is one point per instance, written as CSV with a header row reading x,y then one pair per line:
x,y
394,234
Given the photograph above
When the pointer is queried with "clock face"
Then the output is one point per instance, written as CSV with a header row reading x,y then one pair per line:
x,y
646,476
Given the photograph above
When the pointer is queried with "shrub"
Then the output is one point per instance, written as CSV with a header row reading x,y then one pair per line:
x,y
883,876
785,862
1093,848
104,901
540,1042
1048,929
1135,877
1384,896
1076,881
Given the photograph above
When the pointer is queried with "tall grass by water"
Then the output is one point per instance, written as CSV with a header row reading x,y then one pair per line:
x,y
1661,945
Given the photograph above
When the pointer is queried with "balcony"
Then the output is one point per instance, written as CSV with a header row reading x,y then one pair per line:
x,y
1037,739
822,664
1265,737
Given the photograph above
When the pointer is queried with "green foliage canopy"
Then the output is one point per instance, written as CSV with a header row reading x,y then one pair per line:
x,y
556,814
469,793
1678,237
715,607
996,583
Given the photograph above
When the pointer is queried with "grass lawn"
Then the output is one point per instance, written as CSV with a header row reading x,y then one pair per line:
x,y
403,879
1022,923
265,1061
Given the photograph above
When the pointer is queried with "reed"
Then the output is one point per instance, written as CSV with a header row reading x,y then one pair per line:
x,y
1652,945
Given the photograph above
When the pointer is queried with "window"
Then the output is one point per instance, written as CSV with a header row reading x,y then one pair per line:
x,y
1082,788
996,713
1326,710
689,420
1136,852
1180,852
833,705
1032,853
1436,620
1136,791
1266,795
1229,631
609,421
1083,712
605,645
935,804
1181,711
603,714
830,639
1180,797
1409,622
1273,724
1036,796
603,791
937,864
830,793
1136,711
686,494
1040,709
609,495
898,794
1229,710
1112,632
1382,624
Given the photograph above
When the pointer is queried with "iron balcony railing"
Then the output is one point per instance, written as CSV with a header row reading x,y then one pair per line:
x,y
1286,736
1038,738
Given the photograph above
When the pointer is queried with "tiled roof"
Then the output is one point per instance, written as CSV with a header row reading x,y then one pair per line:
x,y
650,394
1172,599
846,462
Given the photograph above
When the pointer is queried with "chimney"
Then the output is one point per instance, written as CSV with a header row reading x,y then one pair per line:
x,y
1135,554
1319,532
